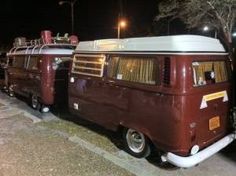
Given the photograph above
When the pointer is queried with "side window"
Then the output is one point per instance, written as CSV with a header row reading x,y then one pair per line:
x,y
134,69
90,65
19,61
33,63
10,61
209,72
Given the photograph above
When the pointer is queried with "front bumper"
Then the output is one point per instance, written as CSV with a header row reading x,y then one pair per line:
x,y
193,160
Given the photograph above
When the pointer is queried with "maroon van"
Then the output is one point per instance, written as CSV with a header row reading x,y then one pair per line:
x,y
171,92
38,69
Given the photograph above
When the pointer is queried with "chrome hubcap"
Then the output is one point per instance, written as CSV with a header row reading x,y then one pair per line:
x,y
135,140
45,109
11,92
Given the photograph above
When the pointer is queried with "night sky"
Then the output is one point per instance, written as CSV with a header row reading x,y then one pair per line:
x,y
94,19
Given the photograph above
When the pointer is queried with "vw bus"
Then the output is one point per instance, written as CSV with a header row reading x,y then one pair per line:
x,y
38,69
170,92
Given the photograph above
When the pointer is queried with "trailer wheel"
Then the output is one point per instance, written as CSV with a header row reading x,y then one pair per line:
x,y
136,143
11,91
35,102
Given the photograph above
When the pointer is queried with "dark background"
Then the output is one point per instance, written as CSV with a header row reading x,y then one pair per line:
x,y
94,19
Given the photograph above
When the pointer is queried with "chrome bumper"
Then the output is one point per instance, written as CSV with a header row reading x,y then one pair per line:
x,y
193,160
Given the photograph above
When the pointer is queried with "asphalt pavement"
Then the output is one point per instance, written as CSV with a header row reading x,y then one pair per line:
x,y
35,144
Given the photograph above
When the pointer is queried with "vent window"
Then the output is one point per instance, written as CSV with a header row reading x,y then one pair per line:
x,y
90,65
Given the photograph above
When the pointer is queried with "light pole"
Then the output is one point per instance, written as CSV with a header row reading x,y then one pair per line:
x,y
121,24
71,3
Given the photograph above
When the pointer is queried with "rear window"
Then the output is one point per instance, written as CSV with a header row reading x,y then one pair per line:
x,y
19,62
33,63
211,72
133,69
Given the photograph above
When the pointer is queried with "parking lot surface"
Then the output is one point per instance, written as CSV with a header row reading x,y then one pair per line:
x,y
59,144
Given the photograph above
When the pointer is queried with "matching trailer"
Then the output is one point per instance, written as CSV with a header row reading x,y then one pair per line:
x,y
170,92
38,69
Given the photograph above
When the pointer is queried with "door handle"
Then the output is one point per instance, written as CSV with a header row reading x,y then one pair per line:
x,y
159,94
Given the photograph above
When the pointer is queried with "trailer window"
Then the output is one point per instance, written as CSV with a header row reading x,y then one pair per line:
x,y
33,63
19,61
90,65
141,70
10,61
211,72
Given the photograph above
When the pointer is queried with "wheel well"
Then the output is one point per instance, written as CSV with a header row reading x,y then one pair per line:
x,y
121,128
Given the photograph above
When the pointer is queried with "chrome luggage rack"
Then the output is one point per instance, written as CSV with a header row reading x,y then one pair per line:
x,y
29,46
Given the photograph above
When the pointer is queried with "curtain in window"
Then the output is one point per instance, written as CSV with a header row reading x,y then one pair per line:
x,y
217,67
136,70
112,67
220,71
202,68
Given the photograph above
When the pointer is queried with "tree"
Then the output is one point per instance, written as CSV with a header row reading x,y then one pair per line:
x,y
217,14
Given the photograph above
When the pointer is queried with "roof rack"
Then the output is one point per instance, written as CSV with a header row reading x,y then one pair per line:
x,y
46,38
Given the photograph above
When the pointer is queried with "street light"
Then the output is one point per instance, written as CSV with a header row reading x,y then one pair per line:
x,y
205,28
234,34
71,3
121,24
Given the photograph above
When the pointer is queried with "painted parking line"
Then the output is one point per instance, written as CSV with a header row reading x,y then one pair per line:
x,y
4,108
11,106
9,112
32,117
139,167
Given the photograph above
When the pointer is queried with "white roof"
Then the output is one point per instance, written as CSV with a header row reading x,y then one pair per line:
x,y
177,43
40,50
56,51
